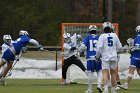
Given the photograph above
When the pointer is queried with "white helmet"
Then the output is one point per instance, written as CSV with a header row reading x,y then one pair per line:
x,y
66,35
7,39
137,29
67,38
23,33
107,24
92,27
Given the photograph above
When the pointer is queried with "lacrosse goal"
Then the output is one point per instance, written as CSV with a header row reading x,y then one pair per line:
x,y
74,73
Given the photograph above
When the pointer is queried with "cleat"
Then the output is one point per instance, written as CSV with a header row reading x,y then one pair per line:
x,y
117,88
64,82
99,89
105,91
3,81
88,91
124,86
113,90
118,83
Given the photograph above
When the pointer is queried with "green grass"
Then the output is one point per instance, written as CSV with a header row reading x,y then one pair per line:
x,y
54,86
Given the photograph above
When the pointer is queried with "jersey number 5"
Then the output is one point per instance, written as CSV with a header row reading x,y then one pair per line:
x,y
110,41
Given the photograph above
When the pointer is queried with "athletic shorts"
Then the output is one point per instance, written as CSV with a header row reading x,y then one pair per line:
x,y
8,56
135,63
92,65
109,65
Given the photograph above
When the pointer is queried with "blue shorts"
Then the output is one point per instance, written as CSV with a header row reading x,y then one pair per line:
x,y
135,63
8,56
93,65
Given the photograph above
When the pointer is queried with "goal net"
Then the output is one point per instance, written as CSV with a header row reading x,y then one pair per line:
x,y
74,73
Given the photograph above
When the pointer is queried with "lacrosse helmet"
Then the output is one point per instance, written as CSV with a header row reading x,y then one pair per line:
x,y
107,27
67,37
23,33
137,29
93,29
7,39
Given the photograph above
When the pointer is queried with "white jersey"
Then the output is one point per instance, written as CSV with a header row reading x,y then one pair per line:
x,y
74,39
5,46
108,46
67,52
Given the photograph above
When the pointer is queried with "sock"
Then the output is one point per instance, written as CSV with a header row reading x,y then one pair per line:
x,y
106,87
113,89
109,83
99,76
90,80
126,83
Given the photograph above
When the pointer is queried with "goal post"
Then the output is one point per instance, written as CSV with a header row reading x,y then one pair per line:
x,y
74,72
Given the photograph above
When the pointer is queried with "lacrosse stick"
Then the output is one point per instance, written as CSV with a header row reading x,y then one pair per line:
x,y
130,42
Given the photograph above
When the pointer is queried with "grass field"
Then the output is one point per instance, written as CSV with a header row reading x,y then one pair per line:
x,y
54,86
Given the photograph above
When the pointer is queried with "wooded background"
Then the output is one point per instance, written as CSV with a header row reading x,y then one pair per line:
x,y
43,18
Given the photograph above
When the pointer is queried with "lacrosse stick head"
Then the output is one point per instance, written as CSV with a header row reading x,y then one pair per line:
x,y
130,42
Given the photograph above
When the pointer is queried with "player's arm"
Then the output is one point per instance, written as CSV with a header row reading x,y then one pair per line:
x,y
33,41
119,45
83,47
99,46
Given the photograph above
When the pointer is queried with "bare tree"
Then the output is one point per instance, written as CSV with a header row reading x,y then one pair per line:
x,y
138,13
109,11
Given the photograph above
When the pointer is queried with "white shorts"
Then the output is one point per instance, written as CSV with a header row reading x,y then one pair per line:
x,y
109,65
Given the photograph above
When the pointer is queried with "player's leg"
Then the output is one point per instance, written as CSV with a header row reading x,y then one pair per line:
x,y
113,66
109,80
113,80
129,78
4,72
67,63
90,75
105,71
9,65
138,67
130,75
138,71
79,63
1,64
99,76
117,79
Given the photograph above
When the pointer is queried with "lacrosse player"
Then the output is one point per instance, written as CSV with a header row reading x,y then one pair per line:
x,y
7,42
70,56
135,59
89,44
117,75
15,49
108,46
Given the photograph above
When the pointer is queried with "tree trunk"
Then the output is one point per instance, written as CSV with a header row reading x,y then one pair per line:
x,y
138,13
109,11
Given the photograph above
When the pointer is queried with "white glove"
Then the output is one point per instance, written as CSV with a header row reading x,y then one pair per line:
x,y
41,48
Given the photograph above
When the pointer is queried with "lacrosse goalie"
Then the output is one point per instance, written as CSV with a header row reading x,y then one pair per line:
x,y
70,56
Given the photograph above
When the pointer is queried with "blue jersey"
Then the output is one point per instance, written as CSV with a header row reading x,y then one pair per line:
x,y
136,53
90,42
20,42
